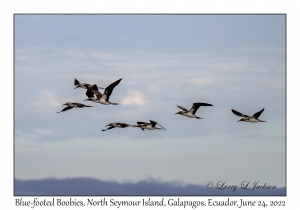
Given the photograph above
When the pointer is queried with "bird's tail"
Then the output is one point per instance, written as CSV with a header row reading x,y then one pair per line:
x,y
112,103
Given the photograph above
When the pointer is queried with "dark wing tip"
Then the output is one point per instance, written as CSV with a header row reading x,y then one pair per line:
x,y
76,82
205,104
198,104
256,115
235,112
118,81
95,87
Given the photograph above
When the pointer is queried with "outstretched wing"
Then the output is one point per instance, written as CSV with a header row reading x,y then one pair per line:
x,y
257,114
108,91
196,106
95,90
107,129
89,93
153,123
65,109
184,109
239,114
142,123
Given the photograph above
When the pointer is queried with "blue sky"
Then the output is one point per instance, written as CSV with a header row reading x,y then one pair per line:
x,y
231,61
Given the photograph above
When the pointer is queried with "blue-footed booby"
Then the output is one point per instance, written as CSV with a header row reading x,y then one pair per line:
x,y
246,118
83,85
118,125
191,113
101,98
71,105
149,126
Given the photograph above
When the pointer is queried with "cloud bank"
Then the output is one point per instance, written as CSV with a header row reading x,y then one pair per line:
x,y
150,187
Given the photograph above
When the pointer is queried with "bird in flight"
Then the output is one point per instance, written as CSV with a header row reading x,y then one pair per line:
x,y
71,105
117,125
246,118
191,113
101,98
149,126
83,85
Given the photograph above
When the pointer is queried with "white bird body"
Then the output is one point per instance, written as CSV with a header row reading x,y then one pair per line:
x,y
253,120
149,127
100,101
189,114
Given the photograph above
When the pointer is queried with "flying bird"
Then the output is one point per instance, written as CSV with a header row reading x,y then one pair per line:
x,y
246,118
83,85
118,125
191,113
71,105
101,98
149,126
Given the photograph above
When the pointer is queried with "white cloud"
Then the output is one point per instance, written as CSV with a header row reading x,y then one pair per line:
x,y
134,97
46,99
154,88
